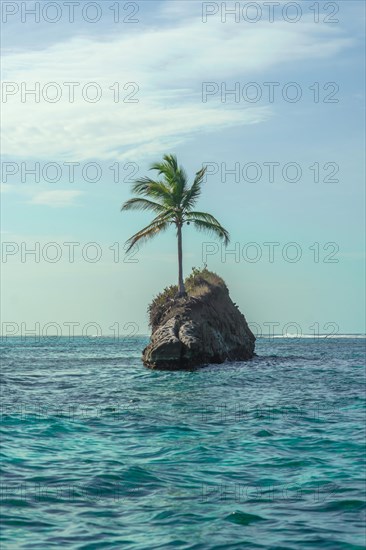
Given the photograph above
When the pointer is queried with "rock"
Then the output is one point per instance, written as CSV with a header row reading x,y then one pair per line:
x,y
204,327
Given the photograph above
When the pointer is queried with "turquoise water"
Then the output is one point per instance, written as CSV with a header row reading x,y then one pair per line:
x,y
99,452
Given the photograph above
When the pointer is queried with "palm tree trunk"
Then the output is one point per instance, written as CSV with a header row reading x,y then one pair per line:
x,y
181,289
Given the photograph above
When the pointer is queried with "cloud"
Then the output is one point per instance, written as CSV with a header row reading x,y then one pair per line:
x,y
168,63
5,188
55,198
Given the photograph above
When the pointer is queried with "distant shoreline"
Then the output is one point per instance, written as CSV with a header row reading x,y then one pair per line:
x,y
92,337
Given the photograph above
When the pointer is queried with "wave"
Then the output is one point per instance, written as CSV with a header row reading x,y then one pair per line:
x,y
315,336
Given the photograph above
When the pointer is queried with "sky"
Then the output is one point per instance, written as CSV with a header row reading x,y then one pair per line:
x,y
272,102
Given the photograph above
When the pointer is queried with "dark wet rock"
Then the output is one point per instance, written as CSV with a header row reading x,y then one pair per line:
x,y
203,327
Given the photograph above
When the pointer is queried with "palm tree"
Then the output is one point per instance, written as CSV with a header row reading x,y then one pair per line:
x,y
172,200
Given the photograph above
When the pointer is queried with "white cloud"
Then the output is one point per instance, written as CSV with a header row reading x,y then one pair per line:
x,y
56,198
5,188
169,64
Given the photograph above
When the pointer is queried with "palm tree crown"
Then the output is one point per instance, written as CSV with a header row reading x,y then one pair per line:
x,y
172,200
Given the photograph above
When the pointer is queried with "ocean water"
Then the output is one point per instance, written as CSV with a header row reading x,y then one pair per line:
x,y
99,452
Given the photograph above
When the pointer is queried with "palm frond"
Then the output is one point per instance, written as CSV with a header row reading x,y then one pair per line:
x,y
158,225
194,192
203,216
141,185
167,167
210,227
138,203
154,189
175,177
